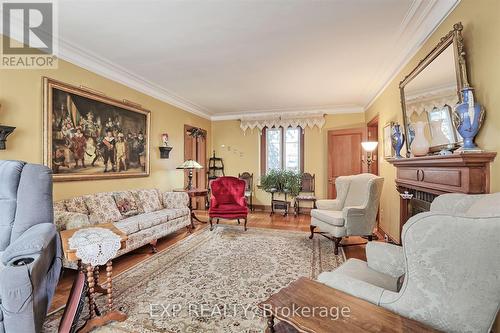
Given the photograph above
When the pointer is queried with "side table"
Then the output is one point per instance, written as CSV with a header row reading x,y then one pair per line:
x,y
194,193
70,318
279,204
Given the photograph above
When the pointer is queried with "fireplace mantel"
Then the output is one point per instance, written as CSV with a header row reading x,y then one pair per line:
x,y
420,179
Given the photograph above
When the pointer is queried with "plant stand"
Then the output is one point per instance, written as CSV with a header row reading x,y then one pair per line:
x,y
279,204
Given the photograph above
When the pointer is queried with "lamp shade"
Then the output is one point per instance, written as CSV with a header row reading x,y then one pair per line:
x,y
369,146
190,164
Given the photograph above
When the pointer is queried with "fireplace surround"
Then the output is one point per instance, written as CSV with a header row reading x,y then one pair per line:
x,y
420,180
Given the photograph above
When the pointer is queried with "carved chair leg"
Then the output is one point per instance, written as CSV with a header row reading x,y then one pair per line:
x,y
218,221
153,246
238,221
312,227
245,224
211,225
336,244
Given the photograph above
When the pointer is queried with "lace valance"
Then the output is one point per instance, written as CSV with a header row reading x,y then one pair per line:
x,y
283,120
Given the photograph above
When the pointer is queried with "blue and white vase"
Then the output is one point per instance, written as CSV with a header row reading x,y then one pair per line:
x,y
468,118
398,139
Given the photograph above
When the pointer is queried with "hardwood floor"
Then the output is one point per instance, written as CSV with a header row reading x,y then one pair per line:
x,y
256,219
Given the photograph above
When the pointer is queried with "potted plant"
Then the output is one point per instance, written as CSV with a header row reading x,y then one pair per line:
x,y
284,181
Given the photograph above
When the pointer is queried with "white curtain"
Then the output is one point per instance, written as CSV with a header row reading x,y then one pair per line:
x,y
284,120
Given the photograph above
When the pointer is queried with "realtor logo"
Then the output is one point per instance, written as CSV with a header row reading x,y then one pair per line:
x,y
28,31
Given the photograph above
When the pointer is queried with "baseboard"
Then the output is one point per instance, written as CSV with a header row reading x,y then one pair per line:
x,y
385,234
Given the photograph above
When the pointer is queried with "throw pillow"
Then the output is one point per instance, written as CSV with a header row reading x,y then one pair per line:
x,y
126,203
60,206
69,220
77,205
102,209
149,199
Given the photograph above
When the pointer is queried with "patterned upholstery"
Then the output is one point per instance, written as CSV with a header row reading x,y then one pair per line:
x,y
450,261
141,228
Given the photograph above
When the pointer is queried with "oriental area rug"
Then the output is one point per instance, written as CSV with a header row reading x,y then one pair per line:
x,y
212,281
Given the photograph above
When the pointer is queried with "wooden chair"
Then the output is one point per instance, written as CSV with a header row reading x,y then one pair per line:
x,y
248,178
307,192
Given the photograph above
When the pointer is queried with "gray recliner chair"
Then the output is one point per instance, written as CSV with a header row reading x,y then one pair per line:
x,y
30,248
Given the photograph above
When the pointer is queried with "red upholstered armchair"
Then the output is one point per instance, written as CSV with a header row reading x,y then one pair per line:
x,y
227,200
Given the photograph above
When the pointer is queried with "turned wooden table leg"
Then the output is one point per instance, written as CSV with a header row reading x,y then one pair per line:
x,y
270,324
109,280
90,280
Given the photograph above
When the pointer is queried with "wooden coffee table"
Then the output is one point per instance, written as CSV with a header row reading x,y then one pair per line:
x,y
307,295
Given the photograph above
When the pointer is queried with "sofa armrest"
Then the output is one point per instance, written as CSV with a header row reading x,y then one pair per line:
x,y
352,286
354,211
26,290
329,204
385,258
454,203
70,220
175,199
32,242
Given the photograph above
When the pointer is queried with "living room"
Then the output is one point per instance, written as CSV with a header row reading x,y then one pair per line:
x,y
249,166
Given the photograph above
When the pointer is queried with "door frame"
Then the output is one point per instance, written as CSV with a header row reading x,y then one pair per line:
x,y
373,124
355,130
200,155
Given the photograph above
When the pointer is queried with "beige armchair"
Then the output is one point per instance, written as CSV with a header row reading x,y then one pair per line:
x,y
353,213
446,274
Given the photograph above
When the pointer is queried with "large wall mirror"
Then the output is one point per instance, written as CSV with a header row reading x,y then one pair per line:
x,y
431,91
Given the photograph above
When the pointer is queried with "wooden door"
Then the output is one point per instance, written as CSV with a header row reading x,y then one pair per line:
x,y
344,155
196,149
372,132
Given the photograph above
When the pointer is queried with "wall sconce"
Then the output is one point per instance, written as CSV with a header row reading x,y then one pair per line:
x,y
5,131
369,147
165,150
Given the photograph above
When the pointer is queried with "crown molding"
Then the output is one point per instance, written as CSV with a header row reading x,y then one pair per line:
x,y
424,15
112,71
341,109
427,15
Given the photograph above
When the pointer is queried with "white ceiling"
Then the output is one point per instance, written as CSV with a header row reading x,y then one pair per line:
x,y
222,59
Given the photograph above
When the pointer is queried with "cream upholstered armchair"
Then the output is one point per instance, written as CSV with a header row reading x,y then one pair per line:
x,y
353,213
446,274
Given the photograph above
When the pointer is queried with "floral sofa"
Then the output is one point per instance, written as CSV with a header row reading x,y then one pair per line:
x,y
145,215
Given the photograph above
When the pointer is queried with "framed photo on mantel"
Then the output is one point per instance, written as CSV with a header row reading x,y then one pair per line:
x,y
90,136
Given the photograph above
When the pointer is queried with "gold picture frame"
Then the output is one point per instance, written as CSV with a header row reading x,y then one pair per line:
x,y
389,151
89,136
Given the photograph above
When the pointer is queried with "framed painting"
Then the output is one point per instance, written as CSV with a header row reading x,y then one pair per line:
x,y
90,136
388,148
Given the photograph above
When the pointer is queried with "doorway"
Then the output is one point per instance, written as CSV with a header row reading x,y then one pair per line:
x,y
195,148
344,155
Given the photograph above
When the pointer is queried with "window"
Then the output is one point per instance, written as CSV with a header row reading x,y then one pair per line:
x,y
282,149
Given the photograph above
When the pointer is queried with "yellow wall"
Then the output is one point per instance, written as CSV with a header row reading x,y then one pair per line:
x,y
481,37
21,100
228,133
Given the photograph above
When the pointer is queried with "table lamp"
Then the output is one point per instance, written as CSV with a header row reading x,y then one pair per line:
x,y
369,147
190,165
